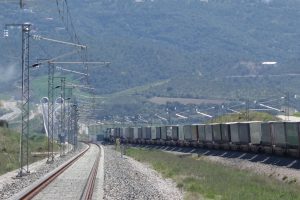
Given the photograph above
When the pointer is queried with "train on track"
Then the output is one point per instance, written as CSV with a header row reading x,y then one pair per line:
x,y
276,137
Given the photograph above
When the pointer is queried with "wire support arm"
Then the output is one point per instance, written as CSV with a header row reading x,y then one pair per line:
x,y
38,37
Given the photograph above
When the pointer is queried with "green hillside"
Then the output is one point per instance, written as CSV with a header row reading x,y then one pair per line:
x,y
9,149
252,116
193,48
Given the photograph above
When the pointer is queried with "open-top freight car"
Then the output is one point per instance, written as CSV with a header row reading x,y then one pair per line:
x,y
180,141
266,143
277,137
163,135
125,136
116,132
119,132
168,135
216,135
292,138
131,134
155,135
201,135
140,135
158,135
244,135
135,135
240,135
208,136
173,139
255,129
110,136
195,136
146,135
187,135
226,138
171,135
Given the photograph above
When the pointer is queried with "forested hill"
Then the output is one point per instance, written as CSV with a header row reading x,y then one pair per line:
x,y
182,48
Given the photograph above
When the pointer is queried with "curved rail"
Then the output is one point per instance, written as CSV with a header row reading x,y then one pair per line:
x,y
89,186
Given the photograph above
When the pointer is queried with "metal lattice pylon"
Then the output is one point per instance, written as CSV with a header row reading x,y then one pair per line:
x,y
74,124
62,113
50,112
68,117
24,147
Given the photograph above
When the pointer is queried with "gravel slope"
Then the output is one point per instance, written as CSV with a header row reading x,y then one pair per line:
x,y
126,179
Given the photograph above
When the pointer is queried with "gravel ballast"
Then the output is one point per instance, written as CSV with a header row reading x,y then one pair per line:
x,y
125,178
71,183
9,185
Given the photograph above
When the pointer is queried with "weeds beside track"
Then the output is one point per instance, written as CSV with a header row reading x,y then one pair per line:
x,y
200,178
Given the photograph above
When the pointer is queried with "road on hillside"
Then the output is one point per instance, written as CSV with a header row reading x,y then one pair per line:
x,y
11,105
289,118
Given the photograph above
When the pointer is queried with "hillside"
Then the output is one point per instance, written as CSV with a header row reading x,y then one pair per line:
x,y
9,149
169,48
242,117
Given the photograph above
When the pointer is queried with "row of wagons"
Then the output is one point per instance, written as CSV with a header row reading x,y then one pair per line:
x,y
278,137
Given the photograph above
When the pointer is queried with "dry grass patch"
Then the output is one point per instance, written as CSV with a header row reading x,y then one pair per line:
x,y
201,179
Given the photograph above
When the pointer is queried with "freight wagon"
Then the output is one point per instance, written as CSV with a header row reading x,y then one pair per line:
x,y
226,136
269,137
216,135
292,138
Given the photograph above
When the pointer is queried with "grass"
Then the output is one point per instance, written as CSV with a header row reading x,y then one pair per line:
x,y
40,86
253,116
138,89
9,149
202,179
186,101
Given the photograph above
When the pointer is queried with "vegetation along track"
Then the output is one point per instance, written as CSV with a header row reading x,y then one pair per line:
x,y
74,180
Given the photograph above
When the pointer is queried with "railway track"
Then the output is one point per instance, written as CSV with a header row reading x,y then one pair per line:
x,y
73,180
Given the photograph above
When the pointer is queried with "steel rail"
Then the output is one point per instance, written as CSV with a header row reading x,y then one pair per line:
x,y
89,187
37,189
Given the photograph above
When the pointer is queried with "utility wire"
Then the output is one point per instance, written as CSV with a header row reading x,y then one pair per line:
x,y
66,17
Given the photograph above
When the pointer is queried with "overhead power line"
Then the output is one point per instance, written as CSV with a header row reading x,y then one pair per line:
x,y
72,71
38,37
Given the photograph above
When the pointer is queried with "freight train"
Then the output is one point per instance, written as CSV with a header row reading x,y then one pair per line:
x,y
268,137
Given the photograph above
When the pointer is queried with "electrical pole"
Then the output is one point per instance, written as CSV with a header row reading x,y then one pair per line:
x,y
21,4
69,115
24,147
63,111
76,126
74,120
51,108
169,116
287,110
50,112
25,89
71,127
247,110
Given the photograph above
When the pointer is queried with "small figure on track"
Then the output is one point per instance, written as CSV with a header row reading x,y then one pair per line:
x,y
117,144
